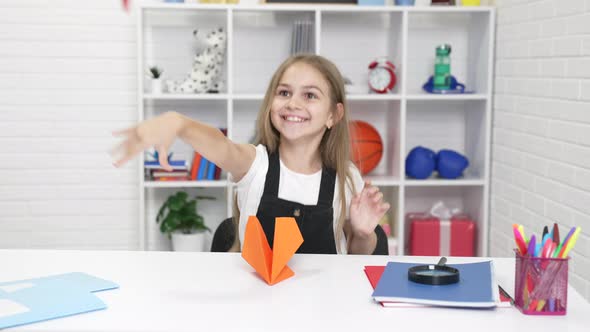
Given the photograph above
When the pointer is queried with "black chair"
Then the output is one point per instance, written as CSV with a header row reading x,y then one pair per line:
x,y
224,235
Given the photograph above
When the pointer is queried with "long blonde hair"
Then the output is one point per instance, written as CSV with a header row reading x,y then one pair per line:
x,y
334,146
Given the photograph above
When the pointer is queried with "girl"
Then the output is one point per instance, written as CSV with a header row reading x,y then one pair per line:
x,y
300,166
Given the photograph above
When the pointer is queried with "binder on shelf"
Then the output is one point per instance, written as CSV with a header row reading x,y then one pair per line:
x,y
202,173
217,173
195,165
211,171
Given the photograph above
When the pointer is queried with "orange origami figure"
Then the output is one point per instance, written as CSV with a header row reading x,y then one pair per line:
x,y
271,265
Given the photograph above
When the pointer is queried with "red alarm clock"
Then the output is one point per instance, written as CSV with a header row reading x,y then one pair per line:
x,y
382,76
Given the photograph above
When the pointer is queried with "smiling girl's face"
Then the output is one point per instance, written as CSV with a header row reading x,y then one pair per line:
x,y
302,108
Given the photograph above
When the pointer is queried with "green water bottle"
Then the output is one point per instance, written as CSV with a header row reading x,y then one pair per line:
x,y
442,67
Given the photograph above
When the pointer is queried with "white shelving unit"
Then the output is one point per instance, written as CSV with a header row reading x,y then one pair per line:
x,y
259,40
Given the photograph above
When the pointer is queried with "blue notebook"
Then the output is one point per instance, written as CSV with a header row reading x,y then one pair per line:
x,y
476,288
34,300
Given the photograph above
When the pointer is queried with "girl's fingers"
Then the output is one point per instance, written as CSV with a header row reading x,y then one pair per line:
x,y
163,158
378,197
130,152
124,132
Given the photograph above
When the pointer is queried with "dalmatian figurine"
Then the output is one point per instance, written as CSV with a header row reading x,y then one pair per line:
x,y
206,72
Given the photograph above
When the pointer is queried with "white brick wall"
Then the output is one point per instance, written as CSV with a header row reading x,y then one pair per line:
x,y
541,143
67,79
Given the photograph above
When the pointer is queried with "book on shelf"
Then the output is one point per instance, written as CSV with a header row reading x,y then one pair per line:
x,y
171,178
175,164
173,174
195,165
477,287
202,172
211,171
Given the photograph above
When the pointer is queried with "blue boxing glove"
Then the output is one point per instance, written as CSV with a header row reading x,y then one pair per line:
x,y
450,164
420,163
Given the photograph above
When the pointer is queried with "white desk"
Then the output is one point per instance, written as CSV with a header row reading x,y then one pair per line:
x,y
173,291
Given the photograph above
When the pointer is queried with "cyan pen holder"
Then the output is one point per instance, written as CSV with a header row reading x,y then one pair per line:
x,y
541,285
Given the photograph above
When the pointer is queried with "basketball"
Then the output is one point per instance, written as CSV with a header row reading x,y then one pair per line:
x,y
366,147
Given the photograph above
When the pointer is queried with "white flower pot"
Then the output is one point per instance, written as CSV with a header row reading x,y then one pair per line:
x,y
157,86
188,242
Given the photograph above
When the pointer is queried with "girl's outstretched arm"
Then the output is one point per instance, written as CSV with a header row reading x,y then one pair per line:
x,y
161,131
366,209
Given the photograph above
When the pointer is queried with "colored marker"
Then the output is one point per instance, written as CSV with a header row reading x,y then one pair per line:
x,y
571,243
557,250
520,243
546,251
545,238
555,234
565,241
545,231
531,249
521,231
551,305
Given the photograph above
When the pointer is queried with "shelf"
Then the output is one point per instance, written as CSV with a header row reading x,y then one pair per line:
x,y
323,8
385,118
469,35
458,125
382,180
176,96
444,182
259,39
369,97
467,199
350,96
186,184
376,33
464,96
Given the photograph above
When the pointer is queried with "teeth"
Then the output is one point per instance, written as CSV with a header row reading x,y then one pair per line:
x,y
294,119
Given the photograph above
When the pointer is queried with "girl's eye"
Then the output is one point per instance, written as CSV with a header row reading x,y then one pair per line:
x,y
310,95
283,93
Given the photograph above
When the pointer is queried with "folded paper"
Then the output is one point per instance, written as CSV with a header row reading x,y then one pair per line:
x,y
271,264
34,300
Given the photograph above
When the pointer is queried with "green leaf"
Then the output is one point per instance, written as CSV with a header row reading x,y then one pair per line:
x,y
180,213
182,195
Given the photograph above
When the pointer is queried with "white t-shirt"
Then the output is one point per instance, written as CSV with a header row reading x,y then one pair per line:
x,y
294,187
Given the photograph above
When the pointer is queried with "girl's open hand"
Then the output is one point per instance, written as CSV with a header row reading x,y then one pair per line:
x,y
158,132
366,209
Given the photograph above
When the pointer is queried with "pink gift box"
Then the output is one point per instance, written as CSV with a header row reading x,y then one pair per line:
x,y
429,236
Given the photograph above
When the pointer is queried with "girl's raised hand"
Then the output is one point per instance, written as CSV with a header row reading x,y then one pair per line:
x,y
366,209
158,132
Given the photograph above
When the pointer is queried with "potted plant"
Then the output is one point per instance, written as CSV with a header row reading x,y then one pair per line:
x,y
155,74
179,219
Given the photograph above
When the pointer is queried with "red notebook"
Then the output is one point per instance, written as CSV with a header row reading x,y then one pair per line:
x,y
374,274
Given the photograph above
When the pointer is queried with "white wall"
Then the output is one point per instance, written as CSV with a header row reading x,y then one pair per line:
x,y
541,148
67,79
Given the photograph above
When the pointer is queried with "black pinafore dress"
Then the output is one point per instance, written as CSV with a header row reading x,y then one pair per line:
x,y
315,221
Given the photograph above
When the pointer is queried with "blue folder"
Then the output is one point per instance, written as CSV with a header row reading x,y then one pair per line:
x,y
476,288
51,297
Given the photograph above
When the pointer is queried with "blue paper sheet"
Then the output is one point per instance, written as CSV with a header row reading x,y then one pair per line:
x,y
40,299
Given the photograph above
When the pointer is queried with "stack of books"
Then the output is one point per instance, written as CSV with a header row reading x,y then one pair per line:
x,y
203,169
155,172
